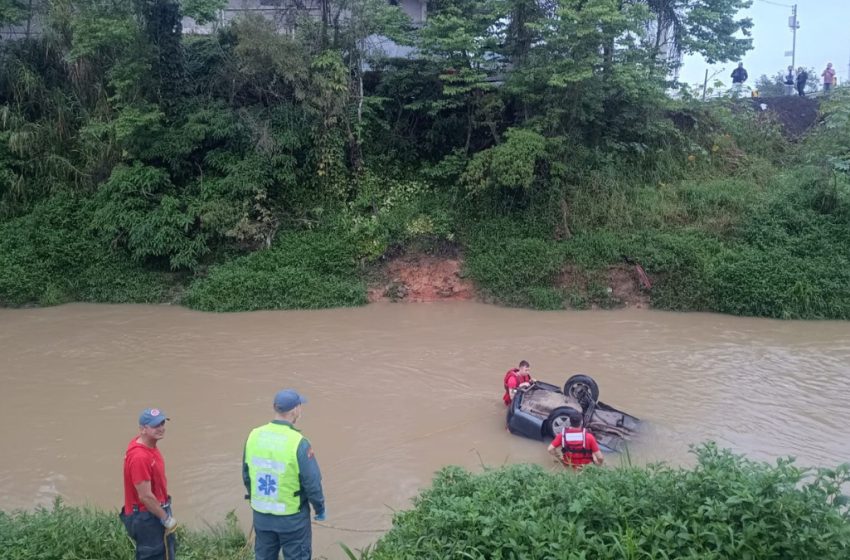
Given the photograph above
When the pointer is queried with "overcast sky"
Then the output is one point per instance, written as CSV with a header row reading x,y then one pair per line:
x,y
824,36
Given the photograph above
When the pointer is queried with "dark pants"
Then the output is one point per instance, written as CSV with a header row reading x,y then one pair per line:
x,y
801,89
293,535
147,532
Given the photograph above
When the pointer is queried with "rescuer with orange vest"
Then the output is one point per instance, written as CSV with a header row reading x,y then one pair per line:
x,y
516,378
576,447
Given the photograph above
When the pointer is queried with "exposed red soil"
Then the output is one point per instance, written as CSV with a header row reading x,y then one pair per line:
x,y
428,278
422,278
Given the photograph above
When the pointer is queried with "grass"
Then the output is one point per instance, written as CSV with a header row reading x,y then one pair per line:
x,y
307,270
50,256
63,532
775,248
726,507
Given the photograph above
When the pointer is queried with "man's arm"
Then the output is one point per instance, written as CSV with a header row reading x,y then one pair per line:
x,y
246,478
310,477
512,384
149,500
554,449
598,458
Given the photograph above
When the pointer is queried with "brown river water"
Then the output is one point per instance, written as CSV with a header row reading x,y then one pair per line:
x,y
395,392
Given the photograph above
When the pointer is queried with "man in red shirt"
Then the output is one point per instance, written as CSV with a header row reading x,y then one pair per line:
x,y
576,447
147,506
514,379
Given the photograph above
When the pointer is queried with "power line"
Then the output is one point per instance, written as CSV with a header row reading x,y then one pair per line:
x,y
772,3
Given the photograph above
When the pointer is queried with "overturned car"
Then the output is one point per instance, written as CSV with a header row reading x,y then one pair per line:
x,y
541,410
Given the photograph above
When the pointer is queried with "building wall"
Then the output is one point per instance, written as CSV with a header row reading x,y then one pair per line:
x,y
29,28
283,12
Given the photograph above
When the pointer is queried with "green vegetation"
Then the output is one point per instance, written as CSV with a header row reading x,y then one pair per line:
x,y
724,508
252,169
63,532
306,270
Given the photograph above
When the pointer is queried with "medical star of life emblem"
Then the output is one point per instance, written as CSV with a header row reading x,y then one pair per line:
x,y
267,485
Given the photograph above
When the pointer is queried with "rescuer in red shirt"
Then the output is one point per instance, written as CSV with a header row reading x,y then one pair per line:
x,y
514,379
147,506
576,447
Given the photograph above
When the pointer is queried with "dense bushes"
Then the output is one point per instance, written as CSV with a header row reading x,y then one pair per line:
x,y
135,162
52,255
64,532
302,271
726,507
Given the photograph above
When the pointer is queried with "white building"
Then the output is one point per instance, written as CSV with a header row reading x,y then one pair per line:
x,y
283,12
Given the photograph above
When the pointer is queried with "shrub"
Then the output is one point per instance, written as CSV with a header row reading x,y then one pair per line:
x,y
516,271
726,507
388,213
306,270
775,283
64,532
50,256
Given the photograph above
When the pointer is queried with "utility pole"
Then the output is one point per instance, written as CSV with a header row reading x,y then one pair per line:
x,y
794,25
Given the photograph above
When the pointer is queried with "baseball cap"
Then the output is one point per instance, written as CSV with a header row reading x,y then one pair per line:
x,y
286,400
152,417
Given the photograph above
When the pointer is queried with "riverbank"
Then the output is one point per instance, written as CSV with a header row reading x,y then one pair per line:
x,y
762,242
226,202
725,508
64,531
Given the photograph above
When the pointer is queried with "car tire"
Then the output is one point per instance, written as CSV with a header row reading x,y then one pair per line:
x,y
579,386
559,419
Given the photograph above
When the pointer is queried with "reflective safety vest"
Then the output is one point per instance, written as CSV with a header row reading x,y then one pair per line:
x,y
271,454
574,447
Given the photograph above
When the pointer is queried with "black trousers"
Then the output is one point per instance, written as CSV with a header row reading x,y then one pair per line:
x,y
147,532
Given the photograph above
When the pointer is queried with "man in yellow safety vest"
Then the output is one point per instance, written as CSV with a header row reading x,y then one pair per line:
x,y
282,477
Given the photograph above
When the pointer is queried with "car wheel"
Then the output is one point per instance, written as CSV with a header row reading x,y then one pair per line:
x,y
559,419
580,387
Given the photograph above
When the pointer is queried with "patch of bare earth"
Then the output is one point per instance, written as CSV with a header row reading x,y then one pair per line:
x,y
421,278
621,284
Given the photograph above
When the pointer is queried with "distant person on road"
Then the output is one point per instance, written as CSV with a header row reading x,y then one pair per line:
x,y
576,447
147,506
828,76
283,479
789,81
802,80
739,76
516,378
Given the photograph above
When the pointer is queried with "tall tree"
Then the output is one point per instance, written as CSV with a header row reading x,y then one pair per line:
x,y
707,27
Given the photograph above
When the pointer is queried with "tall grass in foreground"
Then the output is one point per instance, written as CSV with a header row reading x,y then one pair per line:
x,y
77,533
726,507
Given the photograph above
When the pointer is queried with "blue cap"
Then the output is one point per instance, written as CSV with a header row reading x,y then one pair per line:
x,y
286,400
152,417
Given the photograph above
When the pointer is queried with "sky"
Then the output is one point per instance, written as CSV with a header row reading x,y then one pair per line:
x,y
824,36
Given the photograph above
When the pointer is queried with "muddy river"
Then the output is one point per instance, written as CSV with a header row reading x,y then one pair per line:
x,y
396,391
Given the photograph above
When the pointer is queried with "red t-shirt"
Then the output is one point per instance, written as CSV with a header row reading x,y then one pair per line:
x,y
513,381
143,463
577,460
